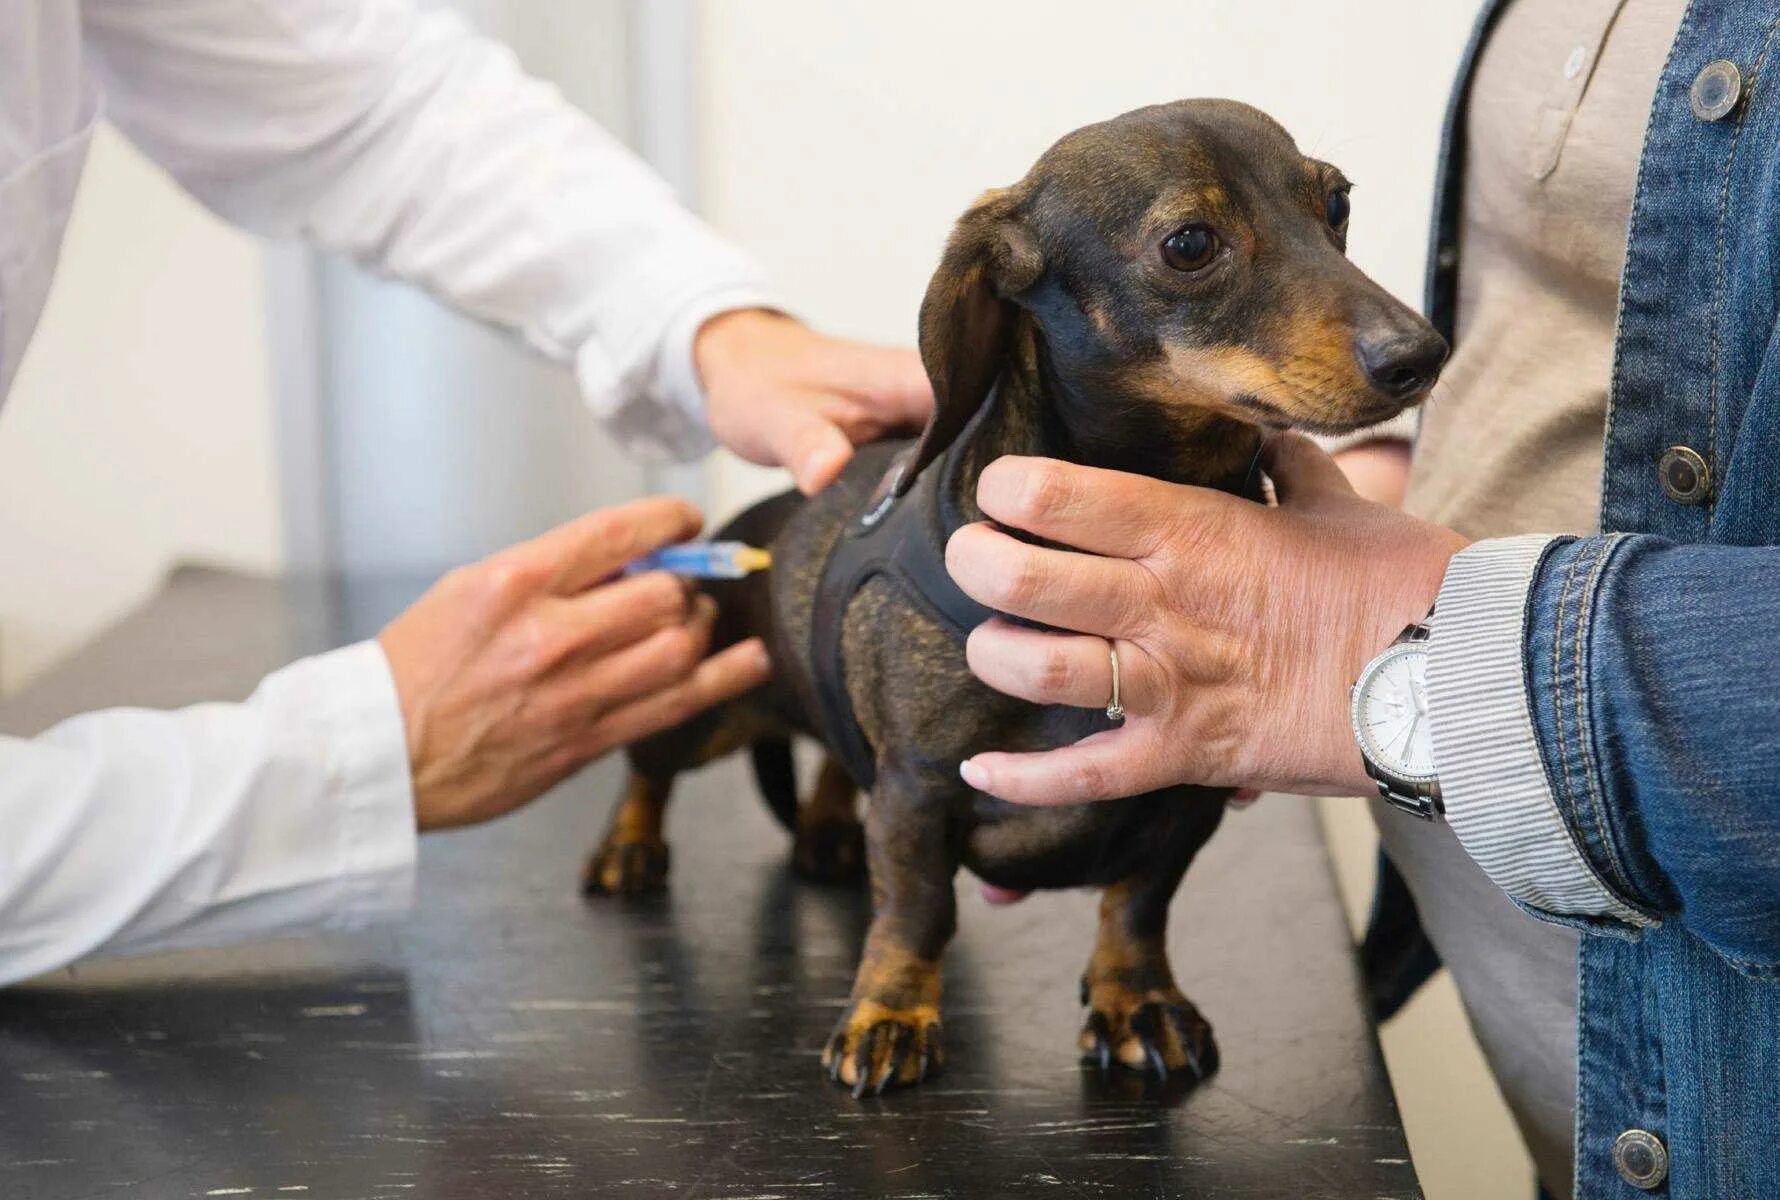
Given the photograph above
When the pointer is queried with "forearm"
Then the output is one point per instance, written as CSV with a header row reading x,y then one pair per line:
x,y
1647,673
130,830
405,140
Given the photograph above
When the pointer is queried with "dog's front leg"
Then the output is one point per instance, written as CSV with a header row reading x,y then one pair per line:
x,y
889,1034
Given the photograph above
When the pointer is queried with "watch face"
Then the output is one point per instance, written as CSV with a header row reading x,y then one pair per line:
x,y
1391,713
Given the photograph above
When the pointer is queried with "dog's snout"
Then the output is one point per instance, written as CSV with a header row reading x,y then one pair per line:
x,y
1401,364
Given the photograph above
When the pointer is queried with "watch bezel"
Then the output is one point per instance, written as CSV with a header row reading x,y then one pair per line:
x,y
1368,748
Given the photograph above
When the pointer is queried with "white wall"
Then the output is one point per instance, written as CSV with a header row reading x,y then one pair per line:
x,y
841,140
138,431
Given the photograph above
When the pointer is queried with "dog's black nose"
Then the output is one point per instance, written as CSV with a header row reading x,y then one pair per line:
x,y
1401,364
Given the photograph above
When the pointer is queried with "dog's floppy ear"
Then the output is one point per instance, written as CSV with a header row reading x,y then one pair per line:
x,y
967,317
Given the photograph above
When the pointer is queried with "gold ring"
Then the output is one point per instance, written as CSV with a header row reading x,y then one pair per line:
x,y
1114,710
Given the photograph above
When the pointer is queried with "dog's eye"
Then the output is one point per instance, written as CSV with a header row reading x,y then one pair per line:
x,y
1336,209
1190,249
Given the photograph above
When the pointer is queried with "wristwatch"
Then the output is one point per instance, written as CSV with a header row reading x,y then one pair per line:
x,y
1389,709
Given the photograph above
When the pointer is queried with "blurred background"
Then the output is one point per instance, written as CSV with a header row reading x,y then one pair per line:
x,y
194,394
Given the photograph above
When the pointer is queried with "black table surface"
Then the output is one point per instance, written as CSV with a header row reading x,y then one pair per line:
x,y
511,1039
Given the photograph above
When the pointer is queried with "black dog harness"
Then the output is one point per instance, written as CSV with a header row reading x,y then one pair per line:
x,y
901,537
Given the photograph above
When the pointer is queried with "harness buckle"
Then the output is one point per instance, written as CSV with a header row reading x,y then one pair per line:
x,y
883,497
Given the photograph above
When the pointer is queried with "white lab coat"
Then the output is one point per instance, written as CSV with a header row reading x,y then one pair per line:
x,y
421,149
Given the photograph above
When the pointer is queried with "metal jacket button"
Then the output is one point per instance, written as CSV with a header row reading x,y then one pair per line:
x,y
1685,477
1716,90
1641,1158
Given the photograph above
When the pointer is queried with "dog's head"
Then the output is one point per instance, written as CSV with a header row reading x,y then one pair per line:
x,y
1177,258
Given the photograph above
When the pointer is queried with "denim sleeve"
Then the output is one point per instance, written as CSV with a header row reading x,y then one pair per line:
x,y
1653,680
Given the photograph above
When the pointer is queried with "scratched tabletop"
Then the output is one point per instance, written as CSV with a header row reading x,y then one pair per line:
x,y
511,1039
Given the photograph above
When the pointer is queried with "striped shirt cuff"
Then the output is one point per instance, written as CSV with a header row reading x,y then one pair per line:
x,y
1492,777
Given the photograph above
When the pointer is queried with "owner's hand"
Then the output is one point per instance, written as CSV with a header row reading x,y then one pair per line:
x,y
782,395
1240,627
514,672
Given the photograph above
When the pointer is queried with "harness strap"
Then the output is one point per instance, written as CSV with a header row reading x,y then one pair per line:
x,y
899,538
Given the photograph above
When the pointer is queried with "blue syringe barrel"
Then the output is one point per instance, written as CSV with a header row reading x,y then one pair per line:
x,y
704,560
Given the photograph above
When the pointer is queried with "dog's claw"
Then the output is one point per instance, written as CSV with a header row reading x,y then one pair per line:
x,y
1158,1037
1193,1061
1156,1063
862,1062
870,1059
1098,1035
900,1040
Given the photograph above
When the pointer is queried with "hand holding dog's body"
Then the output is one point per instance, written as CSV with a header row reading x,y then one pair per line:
x,y
1239,627
782,395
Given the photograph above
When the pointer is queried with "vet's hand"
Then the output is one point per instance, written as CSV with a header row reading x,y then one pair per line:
x,y
514,672
780,394
1240,627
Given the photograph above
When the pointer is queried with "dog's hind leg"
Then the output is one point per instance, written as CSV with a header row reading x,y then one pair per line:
x,y
1137,1014
889,1034
633,857
830,846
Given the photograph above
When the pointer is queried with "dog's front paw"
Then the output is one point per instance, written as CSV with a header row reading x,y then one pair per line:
x,y
1157,1031
629,868
875,1048
830,851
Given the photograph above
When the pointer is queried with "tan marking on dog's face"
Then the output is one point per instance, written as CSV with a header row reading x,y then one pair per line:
x,y
1316,383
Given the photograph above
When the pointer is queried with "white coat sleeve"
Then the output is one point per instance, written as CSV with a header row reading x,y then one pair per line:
x,y
129,830
421,149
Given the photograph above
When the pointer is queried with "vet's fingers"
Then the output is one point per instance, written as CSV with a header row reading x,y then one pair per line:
x,y
575,556
613,615
723,676
806,441
890,383
1108,596
1106,512
1104,766
1301,470
1056,668
657,662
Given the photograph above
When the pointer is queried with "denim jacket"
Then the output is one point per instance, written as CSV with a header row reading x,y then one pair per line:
x,y
1606,710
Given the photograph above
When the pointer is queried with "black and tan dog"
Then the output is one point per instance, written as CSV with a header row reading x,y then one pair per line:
x,y
1156,293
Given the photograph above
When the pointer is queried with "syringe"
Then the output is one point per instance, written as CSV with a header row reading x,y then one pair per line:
x,y
705,560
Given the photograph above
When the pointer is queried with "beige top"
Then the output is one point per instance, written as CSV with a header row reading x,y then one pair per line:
x,y
1511,442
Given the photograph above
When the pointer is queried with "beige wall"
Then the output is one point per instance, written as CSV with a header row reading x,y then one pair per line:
x,y
138,431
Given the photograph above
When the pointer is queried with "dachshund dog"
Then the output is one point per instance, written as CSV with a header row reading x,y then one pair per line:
x,y
1159,291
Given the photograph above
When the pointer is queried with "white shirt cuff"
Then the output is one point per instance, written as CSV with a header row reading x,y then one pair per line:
x,y
660,415
368,772
1492,776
